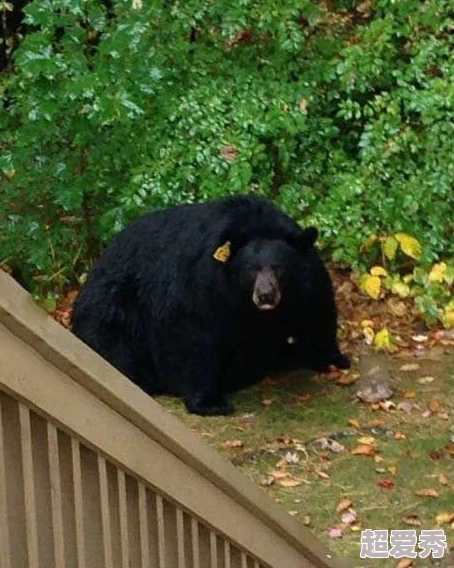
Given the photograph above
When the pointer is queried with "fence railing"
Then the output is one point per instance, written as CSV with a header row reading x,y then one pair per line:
x,y
96,474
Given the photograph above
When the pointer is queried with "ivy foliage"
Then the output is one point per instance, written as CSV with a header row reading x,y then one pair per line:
x,y
342,112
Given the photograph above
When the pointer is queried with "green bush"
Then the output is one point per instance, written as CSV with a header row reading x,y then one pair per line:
x,y
345,118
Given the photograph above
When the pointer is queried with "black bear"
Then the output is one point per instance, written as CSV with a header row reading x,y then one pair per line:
x,y
202,300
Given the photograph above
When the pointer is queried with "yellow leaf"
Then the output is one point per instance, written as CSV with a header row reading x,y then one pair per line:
x,y
392,469
367,323
287,482
322,475
444,518
437,274
401,289
405,563
443,479
409,367
364,450
353,422
409,245
408,278
449,316
383,340
372,286
390,247
367,440
378,271
344,504
428,493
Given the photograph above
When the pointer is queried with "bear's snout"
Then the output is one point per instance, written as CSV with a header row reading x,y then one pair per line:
x,y
266,295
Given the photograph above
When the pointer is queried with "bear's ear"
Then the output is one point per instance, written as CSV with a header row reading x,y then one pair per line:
x,y
306,238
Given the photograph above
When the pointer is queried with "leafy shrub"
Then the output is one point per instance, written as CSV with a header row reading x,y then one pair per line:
x,y
344,117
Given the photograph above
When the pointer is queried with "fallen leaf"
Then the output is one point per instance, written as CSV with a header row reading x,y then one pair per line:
x,y
364,450
409,394
348,517
292,457
289,482
412,520
367,323
392,469
343,505
335,533
405,563
267,402
356,526
303,105
425,380
306,520
330,444
444,518
367,440
397,307
383,340
232,444
322,474
277,474
347,379
385,483
436,455
378,459
369,335
419,338
443,479
426,414
435,406
399,436
353,422
293,513
429,492
386,405
409,367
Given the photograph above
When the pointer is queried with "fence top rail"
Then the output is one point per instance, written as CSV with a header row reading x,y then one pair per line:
x,y
28,322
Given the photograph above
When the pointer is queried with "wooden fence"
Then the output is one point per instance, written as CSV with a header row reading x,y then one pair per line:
x,y
96,474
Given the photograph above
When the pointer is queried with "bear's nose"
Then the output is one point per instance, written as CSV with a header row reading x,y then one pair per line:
x,y
267,297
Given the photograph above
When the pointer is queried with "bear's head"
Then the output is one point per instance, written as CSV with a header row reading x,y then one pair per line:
x,y
264,272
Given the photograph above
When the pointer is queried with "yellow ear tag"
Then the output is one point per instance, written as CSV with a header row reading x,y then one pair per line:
x,y
222,253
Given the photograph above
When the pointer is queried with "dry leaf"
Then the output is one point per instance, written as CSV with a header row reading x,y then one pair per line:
x,y
306,520
429,492
386,405
366,440
293,513
412,520
426,380
347,379
322,474
378,459
343,505
383,340
443,479
348,517
385,483
435,406
399,436
353,422
267,402
392,469
277,474
289,482
409,367
444,518
409,394
232,444
364,450
406,406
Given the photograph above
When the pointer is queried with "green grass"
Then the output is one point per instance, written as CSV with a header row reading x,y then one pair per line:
x,y
269,432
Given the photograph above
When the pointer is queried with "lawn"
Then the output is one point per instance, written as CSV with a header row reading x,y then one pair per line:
x,y
395,465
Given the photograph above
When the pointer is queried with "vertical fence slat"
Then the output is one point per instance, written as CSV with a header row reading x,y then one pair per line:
x,y
180,539
143,527
105,513
123,508
227,563
195,543
78,503
55,495
213,550
29,486
243,560
161,532
4,535
256,564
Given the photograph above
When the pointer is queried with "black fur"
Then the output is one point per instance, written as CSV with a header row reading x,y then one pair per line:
x,y
173,319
